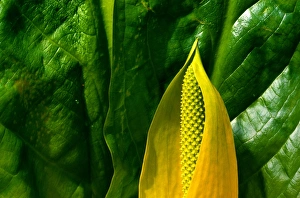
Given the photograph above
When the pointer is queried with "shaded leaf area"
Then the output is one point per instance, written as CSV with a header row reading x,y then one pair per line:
x,y
267,137
150,43
254,50
54,83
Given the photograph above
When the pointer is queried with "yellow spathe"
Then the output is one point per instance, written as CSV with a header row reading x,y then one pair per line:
x,y
215,173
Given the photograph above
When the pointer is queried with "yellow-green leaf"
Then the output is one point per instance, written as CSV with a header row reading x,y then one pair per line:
x,y
215,173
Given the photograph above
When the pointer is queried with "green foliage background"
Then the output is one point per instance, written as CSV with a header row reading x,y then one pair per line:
x,y
80,81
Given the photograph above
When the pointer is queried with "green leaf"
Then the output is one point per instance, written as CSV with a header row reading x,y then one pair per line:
x,y
54,84
267,135
257,74
255,49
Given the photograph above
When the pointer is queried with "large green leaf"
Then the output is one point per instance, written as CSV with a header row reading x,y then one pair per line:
x,y
81,80
54,84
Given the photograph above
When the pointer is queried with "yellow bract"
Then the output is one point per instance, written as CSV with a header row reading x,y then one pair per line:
x,y
215,171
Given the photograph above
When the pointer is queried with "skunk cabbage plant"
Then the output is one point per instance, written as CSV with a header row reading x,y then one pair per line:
x,y
81,80
190,148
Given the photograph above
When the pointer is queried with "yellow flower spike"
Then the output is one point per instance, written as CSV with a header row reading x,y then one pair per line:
x,y
212,171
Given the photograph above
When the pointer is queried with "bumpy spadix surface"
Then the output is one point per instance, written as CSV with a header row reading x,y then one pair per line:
x,y
191,126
